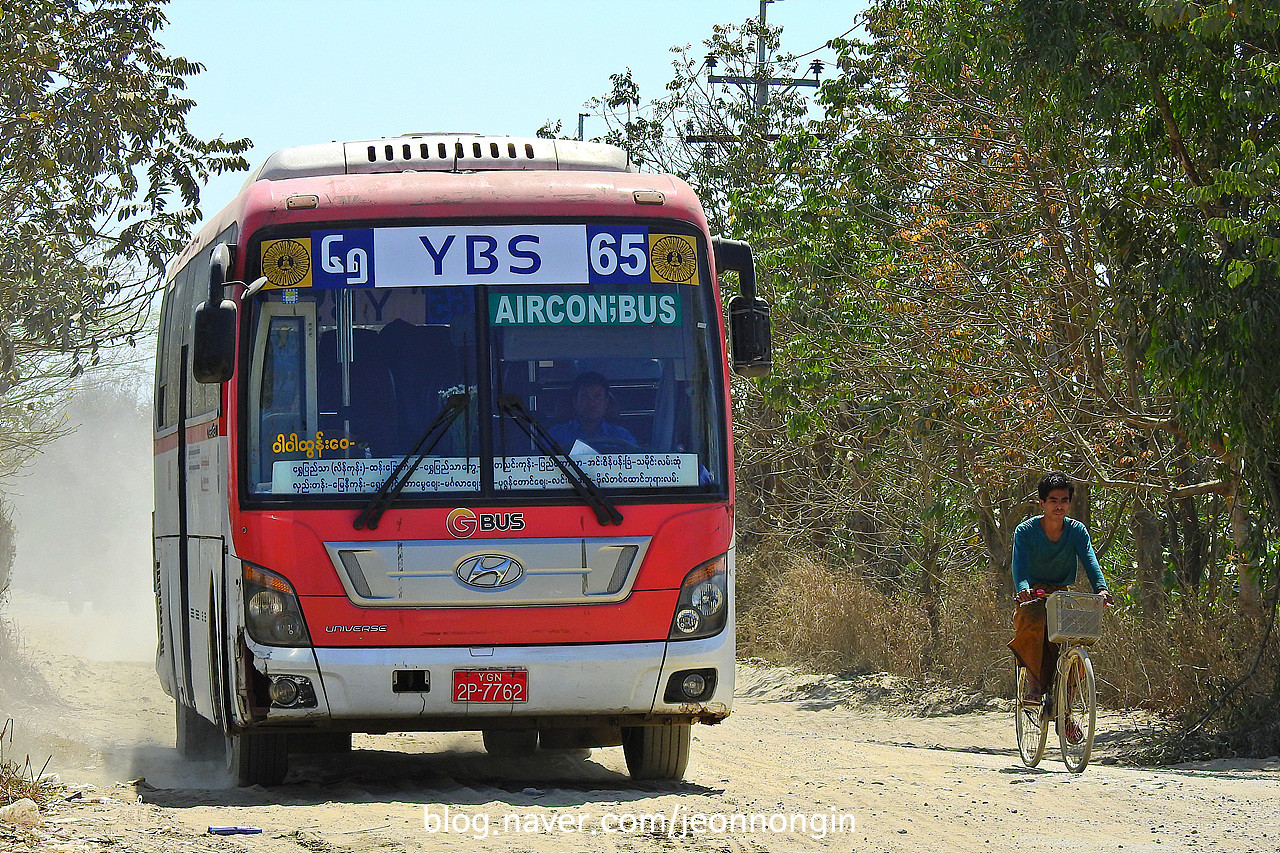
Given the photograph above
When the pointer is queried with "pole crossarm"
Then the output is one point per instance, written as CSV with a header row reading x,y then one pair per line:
x,y
768,81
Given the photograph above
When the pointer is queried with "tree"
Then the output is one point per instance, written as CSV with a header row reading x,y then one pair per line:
x,y
968,260
1185,98
713,135
721,140
989,197
99,188
1182,98
1040,260
952,319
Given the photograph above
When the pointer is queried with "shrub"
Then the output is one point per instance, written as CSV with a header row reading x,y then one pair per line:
x,y
795,609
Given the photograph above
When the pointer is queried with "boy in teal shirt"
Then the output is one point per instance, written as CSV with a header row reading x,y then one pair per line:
x,y
1046,552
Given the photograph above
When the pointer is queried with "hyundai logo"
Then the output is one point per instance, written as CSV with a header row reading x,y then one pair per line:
x,y
489,571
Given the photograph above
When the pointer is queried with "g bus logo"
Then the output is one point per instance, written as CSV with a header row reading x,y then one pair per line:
x,y
462,523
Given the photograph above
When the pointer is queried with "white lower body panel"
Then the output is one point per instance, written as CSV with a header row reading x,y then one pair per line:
x,y
563,681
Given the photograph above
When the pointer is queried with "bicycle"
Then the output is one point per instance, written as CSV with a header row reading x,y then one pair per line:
x,y
1074,623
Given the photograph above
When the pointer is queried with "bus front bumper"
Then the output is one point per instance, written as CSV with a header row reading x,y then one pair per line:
x,y
389,689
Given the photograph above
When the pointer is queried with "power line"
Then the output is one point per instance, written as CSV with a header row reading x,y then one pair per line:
x,y
824,46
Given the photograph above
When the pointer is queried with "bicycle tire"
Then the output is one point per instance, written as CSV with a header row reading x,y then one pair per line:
x,y
1076,700
1029,722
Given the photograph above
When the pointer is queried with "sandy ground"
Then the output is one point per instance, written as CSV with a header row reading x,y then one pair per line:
x,y
805,763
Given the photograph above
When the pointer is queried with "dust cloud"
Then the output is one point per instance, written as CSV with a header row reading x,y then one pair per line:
x,y
79,617
82,512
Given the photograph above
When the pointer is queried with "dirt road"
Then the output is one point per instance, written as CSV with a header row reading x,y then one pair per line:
x,y
803,764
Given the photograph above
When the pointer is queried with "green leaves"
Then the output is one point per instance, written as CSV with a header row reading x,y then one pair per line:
x,y
99,185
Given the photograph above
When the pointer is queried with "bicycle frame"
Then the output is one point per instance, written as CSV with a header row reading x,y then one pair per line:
x,y
1069,699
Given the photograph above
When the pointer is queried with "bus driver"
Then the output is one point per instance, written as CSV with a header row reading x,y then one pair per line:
x,y
591,397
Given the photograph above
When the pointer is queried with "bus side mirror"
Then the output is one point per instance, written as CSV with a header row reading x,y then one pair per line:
x,y
213,338
750,334
213,342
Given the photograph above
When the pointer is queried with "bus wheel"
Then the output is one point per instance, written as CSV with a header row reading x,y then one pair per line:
x,y
657,752
258,758
197,738
510,744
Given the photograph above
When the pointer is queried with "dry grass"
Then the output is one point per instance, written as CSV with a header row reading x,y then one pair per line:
x,y
1176,664
17,677
796,610
18,781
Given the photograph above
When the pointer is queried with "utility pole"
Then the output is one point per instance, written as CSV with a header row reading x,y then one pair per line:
x,y
761,81
762,88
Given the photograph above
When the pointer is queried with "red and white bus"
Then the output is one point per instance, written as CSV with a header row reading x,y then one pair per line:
x,y
383,499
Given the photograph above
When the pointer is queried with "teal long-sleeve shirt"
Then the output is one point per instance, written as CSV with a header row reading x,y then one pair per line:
x,y
1036,560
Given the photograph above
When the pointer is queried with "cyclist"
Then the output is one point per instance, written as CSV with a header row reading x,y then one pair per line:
x,y
1046,552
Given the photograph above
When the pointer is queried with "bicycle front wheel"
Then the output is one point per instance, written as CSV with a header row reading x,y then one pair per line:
x,y
1029,722
1076,703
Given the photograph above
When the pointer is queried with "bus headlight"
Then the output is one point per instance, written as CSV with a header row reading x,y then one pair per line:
x,y
703,606
273,614
266,604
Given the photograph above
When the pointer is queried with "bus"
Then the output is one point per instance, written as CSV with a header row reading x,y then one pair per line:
x,y
442,443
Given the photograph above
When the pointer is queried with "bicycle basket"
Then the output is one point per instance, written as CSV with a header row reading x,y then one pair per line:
x,y
1075,617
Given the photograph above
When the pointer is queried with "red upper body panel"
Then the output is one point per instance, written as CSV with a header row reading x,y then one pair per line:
x,y
291,541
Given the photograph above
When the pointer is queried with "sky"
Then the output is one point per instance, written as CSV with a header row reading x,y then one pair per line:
x,y
295,72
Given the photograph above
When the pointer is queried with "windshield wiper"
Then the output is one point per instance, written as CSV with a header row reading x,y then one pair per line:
x,y
606,512
390,489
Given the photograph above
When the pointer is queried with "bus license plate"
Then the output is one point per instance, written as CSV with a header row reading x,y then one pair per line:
x,y
490,685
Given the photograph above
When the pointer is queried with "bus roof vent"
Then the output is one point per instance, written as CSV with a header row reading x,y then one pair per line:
x,y
452,152
466,153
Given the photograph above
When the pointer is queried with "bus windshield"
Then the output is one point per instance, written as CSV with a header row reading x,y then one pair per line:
x,y
618,371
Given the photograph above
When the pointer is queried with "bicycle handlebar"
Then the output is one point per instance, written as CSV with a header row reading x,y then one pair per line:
x,y
1041,595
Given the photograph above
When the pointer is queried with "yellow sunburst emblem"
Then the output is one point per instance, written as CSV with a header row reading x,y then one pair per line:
x,y
672,259
287,263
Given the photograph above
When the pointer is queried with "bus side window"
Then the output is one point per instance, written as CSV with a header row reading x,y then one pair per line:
x,y
193,289
166,379
190,296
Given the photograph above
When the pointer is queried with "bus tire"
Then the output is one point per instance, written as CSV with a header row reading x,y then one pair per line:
x,y
508,743
257,758
197,738
657,752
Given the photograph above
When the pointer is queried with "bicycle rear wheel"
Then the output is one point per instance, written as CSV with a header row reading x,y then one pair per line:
x,y
1076,703
1029,722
